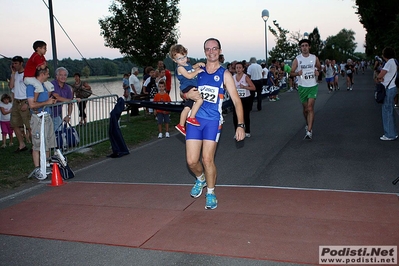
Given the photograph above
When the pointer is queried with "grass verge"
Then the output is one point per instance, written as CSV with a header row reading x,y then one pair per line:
x,y
15,167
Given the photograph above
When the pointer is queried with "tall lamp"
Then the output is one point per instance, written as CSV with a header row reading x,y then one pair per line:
x,y
265,17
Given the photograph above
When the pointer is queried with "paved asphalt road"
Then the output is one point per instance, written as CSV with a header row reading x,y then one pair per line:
x,y
345,154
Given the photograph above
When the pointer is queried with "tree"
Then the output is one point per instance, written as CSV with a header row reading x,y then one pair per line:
x,y
381,21
142,30
284,49
86,71
111,69
341,46
317,44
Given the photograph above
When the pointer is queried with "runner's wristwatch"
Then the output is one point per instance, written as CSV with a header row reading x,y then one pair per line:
x,y
241,125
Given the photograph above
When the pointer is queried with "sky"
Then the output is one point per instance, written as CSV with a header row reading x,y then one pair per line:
x,y
236,23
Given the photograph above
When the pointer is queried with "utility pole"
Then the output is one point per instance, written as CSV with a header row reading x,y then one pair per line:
x,y
52,31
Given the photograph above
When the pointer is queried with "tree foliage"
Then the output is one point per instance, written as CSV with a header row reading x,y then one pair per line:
x,y
86,71
142,30
340,47
111,69
284,49
381,21
317,44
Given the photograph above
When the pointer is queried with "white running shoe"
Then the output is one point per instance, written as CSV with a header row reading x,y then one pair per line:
x,y
36,173
167,135
383,137
308,135
160,135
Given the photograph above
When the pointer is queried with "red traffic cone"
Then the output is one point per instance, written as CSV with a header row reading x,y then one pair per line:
x,y
56,179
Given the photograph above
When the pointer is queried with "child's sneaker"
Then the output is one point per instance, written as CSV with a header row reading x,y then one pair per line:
x,y
193,121
181,129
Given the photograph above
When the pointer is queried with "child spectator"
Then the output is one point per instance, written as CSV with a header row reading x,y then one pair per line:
x,y
5,107
271,83
126,87
36,61
186,74
160,76
162,116
150,86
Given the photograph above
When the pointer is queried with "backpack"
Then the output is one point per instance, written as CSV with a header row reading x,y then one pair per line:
x,y
66,136
380,90
379,93
65,171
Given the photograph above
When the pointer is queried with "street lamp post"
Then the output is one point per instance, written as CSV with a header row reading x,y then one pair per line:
x,y
265,17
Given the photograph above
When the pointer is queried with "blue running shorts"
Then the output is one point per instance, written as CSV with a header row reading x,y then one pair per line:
x,y
209,130
330,79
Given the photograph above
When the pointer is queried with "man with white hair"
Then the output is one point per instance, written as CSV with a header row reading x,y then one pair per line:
x,y
135,86
134,82
63,93
254,71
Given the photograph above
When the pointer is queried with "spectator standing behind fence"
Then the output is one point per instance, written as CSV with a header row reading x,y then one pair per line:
x,y
134,82
265,71
163,117
20,115
161,76
82,90
271,83
5,111
168,76
36,61
150,86
186,74
63,93
126,87
287,71
135,87
387,77
36,107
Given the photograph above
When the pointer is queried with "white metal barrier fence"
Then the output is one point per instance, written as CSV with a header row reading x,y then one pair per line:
x,y
94,128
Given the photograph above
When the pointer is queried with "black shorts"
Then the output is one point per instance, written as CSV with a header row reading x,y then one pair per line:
x,y
189,103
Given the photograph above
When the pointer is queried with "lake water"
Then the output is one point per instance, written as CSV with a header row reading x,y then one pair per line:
x,y
115,87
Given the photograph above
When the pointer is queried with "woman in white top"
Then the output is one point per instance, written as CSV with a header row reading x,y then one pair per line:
x,y
244,85
387,77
